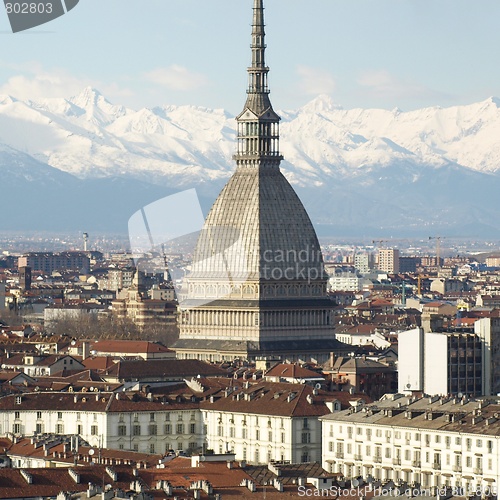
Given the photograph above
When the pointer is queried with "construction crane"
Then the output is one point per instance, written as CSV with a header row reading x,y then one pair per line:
x,y
438,250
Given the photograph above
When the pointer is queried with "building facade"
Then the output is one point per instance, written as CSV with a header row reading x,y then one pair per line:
x,y
107,420
452,362
265,422
430,441
388,260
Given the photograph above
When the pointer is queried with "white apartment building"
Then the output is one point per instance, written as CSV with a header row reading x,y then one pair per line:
x,y
264,422
430,441
362,262
346,281
108,420
450,362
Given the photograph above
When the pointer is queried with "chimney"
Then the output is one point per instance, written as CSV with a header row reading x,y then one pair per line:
x,y
332,359
85,349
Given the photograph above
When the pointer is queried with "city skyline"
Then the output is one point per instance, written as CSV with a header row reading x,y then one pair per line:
x,y
404,54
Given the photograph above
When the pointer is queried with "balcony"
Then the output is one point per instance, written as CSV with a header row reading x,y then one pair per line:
x,y
358,457
436,466
339,454
396,461
457,468
377,460
477,470
415,463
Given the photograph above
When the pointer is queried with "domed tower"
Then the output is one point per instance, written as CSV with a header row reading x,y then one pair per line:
x,y
257,286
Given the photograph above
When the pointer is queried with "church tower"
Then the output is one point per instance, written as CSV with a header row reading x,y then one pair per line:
x,y
257,286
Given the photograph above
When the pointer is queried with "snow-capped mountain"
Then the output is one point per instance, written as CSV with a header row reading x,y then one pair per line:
x,y
370,170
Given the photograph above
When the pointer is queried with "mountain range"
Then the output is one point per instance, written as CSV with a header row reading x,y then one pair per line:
x,y
85,164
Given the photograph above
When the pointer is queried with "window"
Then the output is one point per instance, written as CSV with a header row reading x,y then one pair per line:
x,y
468,443
447,441
17,414
121,447
257,435
368,451
152,448
38,428
192,445
153,429
79,429
59,415
38,414
458,441
180,428
167,417
168,429
306,438
244,432
122,430
151,417
417,436
387,453
136,417
136,430
16,428
121,418
468,461
135,447
59,429
192,429
304,457
306,423
94,430
489,446
437,438
179,416
479,443
282,437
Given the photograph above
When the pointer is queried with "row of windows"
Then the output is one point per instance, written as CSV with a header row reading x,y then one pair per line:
x,y
416,436
244,434
152,429
415,457
153,417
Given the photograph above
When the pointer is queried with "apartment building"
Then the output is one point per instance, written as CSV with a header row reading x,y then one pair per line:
x,y
48,262
431,441
107,420
452,362
388,260
266,421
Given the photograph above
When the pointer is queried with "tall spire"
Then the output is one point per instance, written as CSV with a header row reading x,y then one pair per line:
x,y
258,124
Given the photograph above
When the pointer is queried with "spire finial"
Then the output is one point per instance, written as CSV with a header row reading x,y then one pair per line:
x,y
258,124
258,35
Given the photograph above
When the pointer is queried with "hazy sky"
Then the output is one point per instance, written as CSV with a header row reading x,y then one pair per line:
x,y
363,53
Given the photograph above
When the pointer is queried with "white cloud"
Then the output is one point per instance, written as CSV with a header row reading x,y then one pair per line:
x,y
36,83
314,81
176,77
381,83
